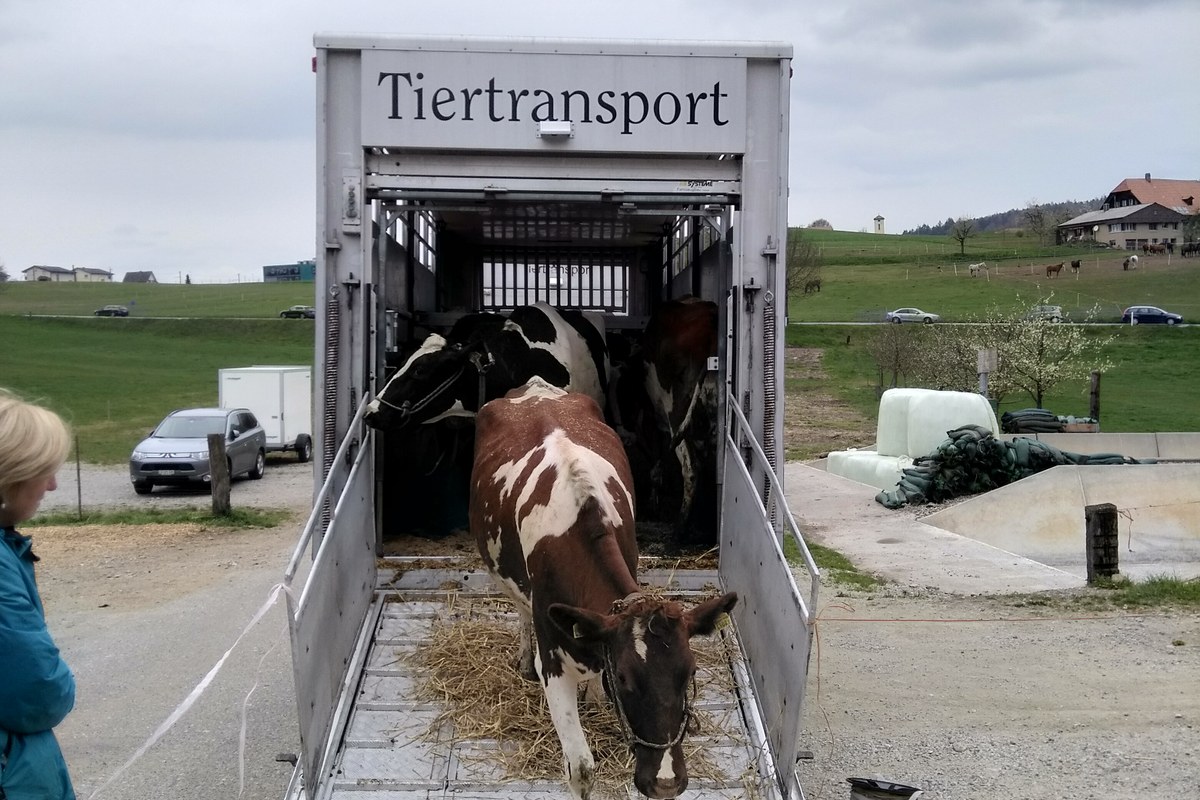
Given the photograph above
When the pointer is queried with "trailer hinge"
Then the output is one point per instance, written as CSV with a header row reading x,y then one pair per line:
x,y
351,283
771,250
749,290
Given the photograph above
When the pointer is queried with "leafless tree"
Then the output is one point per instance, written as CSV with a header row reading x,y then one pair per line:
x,y
896,350
964,228
803,265
1037,221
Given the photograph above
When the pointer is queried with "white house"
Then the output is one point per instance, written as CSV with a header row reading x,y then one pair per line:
x,y
41,272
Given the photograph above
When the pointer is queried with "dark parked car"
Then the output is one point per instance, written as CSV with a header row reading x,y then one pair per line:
x,y
1149,315
112,311
298,312
176,452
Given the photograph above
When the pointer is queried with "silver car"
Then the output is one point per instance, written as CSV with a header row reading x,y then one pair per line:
x,y
911,315
176,452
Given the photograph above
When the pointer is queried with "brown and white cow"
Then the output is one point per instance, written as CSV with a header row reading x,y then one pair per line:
x,y
552,511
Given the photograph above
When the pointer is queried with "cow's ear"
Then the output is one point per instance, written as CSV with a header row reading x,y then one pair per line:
x,y
586,627
710,615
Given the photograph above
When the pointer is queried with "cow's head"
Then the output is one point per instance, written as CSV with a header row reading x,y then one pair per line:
x,y
648,673
438,380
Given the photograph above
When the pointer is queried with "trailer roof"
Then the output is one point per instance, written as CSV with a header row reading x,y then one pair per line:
x,y
529,44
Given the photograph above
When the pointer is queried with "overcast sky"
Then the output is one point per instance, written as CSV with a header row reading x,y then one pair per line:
x,y
179,137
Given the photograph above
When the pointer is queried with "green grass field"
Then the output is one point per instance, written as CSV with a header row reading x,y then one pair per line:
x,y
114,378
865,275
1151,387
242,300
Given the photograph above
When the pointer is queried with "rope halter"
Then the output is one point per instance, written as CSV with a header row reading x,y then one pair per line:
x,y
609,678
409,408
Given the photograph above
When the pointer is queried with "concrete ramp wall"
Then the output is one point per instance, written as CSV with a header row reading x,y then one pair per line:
x,y
1169,446
1042,517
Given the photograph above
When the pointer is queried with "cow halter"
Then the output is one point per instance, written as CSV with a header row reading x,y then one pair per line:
x,y
609,677
408,408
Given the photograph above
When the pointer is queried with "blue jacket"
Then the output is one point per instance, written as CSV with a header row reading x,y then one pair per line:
x,y
37,689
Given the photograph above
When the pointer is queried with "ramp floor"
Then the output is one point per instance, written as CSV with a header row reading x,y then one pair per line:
x,y
399,746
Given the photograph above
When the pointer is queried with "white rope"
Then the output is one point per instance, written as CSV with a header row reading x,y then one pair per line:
x,y
192,697
242,734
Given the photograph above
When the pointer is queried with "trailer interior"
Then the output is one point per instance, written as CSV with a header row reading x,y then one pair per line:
x,y
415,232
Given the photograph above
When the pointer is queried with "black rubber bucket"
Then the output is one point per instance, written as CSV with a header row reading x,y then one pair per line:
x,y
871,789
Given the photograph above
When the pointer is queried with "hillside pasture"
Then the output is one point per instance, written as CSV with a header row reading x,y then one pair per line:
x,y
241,300
114,379
861,286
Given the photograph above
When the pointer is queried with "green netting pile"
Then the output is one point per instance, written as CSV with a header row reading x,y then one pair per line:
x,y
1036,420
972,460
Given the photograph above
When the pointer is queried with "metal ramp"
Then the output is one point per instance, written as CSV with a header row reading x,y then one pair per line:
x,y
389,753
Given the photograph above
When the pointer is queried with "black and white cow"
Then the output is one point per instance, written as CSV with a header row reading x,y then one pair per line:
x,y
552,511
486,355
667,411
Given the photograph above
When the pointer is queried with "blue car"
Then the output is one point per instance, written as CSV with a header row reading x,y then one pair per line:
x,y
1150,315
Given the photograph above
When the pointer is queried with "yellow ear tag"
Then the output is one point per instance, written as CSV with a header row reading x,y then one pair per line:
x,y
578,634
722,622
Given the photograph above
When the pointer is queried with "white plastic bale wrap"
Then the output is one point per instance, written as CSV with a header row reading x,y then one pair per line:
x,y
913,422
868,466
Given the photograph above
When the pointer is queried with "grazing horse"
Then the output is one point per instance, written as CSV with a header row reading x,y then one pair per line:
x,y
1052,270
1130,263
1075,265
812,286
977,268
552,514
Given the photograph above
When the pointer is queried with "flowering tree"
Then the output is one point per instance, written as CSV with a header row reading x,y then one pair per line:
x,y
1034,355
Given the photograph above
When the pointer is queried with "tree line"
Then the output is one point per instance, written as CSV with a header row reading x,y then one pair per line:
x,y
1014,218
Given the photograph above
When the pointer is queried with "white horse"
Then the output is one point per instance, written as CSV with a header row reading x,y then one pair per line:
x,y
977,268
1130,263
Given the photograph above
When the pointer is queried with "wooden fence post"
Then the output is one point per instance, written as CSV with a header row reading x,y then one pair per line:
x,y
1101,541
218,466
1094,396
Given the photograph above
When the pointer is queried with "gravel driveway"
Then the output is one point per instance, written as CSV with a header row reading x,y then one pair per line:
x,y
965,696
287,484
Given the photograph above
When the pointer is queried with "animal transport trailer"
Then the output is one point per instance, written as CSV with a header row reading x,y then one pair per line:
x,y
458,175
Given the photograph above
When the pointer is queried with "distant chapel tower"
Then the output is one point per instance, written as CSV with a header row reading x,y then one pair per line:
x,y
879,224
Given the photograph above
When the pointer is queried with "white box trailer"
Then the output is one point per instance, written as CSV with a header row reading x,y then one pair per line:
x,y
458,175
281,398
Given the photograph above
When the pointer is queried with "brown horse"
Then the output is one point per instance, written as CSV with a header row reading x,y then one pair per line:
x,y
1053,269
